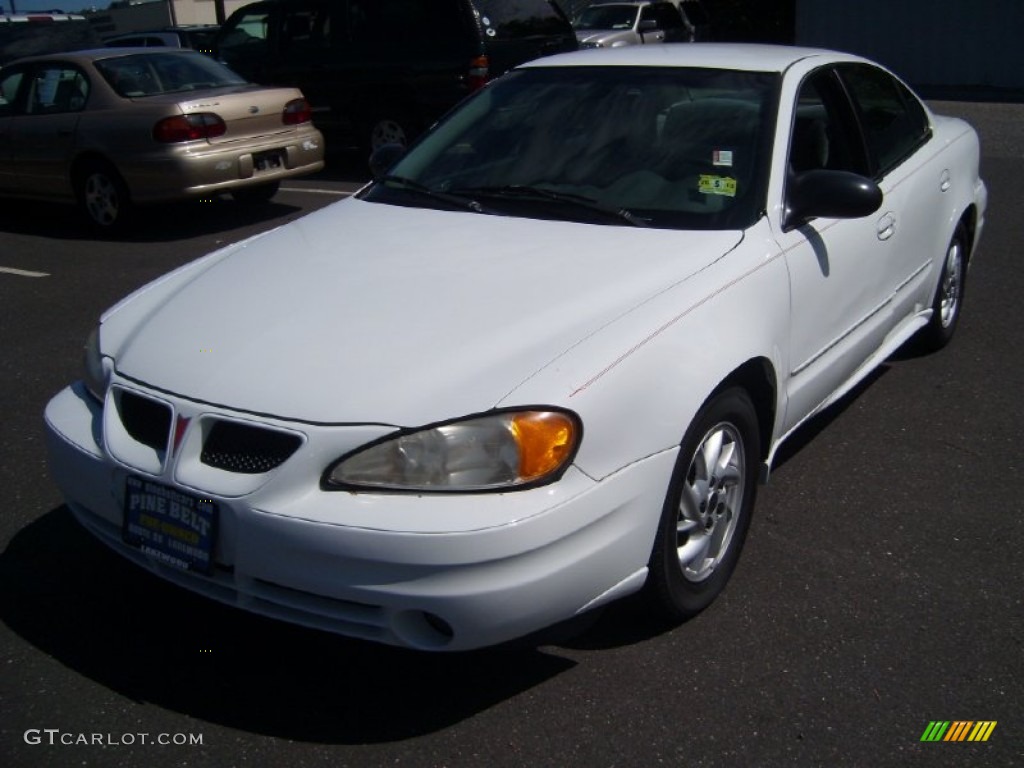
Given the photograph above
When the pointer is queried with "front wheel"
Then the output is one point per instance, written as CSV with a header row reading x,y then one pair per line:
x,y
707,508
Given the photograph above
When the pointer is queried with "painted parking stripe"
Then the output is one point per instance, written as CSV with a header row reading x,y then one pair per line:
x,y
23,272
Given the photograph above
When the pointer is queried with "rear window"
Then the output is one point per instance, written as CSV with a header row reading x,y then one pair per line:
x,y
149,74
506,19
30,35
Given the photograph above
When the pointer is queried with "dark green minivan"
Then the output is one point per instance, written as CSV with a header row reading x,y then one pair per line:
x,y
381,71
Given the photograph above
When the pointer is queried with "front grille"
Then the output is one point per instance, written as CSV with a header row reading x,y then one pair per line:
x,y
246,449
147,421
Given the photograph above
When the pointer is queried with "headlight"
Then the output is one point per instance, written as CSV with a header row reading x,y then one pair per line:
x,y
500,451
95,372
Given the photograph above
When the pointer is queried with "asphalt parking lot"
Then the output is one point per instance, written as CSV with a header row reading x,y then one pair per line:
x,y
880,588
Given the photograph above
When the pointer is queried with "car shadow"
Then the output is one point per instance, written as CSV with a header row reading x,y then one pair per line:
x,y
808,431
99,615
166,222
66,594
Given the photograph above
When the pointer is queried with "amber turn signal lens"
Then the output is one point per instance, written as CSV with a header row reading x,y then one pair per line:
x,y
545,439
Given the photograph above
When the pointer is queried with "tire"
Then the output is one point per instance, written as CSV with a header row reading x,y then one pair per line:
x,y
388,128
258,195
949,296
103,196
707,508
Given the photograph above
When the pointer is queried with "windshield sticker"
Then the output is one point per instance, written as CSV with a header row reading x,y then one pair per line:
x,y
722,157
717,185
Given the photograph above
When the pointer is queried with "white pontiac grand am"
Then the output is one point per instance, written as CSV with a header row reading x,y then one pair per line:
x,y
541,361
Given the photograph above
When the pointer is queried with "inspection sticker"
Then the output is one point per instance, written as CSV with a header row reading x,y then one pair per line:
x,y
722,157
717,185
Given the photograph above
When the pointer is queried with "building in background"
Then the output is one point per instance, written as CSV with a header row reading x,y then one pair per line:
x,y
935,45
138,15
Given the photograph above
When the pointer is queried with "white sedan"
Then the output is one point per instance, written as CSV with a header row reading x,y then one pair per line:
x,y
542,361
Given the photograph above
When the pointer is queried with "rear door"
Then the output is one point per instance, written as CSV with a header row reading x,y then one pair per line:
x,y
912,219
42,134
11,96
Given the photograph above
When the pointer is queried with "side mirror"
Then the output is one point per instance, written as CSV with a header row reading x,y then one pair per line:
x,y
648,25
830,194
385,156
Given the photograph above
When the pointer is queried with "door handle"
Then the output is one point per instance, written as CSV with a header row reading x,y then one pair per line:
x,y
886,226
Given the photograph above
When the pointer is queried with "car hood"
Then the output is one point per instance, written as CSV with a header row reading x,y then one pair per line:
x,y
605,37
365,312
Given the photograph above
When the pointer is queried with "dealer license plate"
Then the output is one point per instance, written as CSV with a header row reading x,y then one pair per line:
x,y
176,528
268,161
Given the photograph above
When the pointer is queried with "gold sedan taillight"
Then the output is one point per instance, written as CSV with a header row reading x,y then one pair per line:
x,y
200,125
297,111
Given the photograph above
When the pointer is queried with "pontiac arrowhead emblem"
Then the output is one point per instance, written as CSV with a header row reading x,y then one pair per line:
x,y
180,426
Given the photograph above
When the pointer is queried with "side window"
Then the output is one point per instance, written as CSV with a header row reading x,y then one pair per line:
x,y
895,123
668,17
418,24
247,34
56,90
10,82
823,133
306,28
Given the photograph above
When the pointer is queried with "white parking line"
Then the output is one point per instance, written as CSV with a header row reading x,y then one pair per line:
x,y
23,272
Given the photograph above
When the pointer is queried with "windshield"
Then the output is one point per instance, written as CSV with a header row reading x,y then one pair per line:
x,y
644,146
149,74
608,17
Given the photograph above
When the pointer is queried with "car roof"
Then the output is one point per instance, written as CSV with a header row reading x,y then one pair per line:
x,y
752,57
174,28
96,54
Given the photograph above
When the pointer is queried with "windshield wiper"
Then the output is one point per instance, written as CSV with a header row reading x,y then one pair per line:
x,y
445,197
523,191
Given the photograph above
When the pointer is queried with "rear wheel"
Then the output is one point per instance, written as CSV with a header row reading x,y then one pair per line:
x,y
258,195
707,508
103,196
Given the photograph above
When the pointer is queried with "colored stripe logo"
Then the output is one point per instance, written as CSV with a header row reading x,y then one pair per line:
x,y
958,730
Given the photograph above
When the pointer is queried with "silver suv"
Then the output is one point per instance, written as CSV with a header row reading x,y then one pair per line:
x,y
611,25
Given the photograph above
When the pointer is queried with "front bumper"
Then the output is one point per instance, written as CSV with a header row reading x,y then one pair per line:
x,y
432,572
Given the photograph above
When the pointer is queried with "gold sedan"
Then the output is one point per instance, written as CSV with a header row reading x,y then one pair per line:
x,y
119,127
